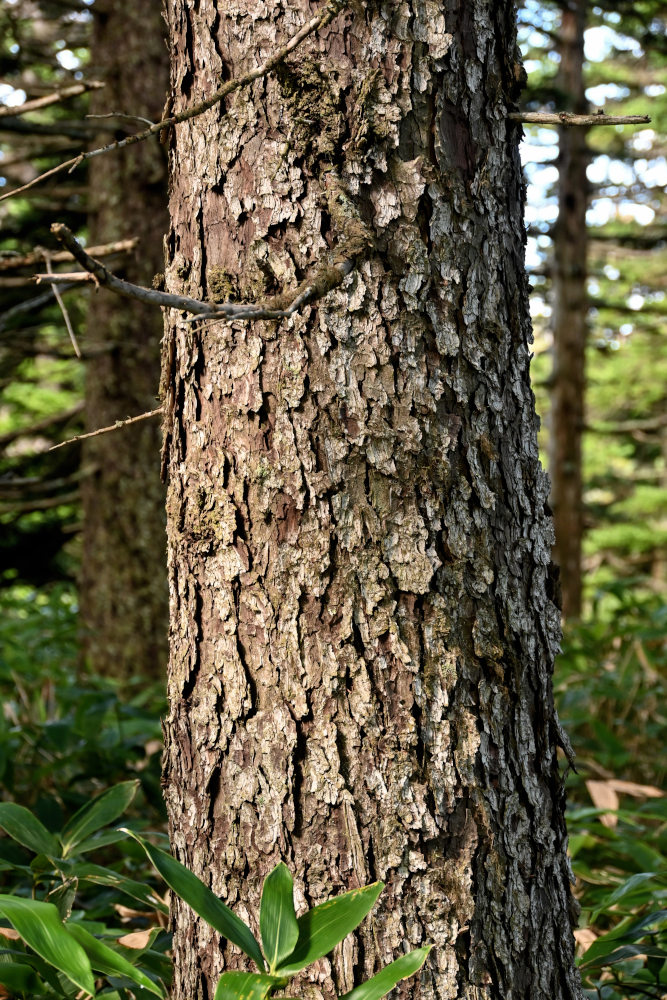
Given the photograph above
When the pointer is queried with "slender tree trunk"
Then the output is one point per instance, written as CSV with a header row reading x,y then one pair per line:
x,y
362,617
124,608
570,316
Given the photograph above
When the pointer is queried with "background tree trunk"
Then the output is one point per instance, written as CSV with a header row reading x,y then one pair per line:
x,y
570,311
123,590
362,622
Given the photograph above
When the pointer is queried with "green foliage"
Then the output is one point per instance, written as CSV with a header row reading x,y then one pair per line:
x,y
610,687
289,944
65,909
64,732
64,735
277,920
203,901
626,367
63,945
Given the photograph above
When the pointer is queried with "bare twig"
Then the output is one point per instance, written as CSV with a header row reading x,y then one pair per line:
x,y
328,275
121,114
48,99
77,277
326,15
63,309
14,261
567,118
112,427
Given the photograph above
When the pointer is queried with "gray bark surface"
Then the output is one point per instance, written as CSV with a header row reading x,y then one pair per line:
x,y
362,618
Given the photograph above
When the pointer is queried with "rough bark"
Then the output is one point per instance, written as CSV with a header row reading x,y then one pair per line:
x,y
124,604
362,618
570,310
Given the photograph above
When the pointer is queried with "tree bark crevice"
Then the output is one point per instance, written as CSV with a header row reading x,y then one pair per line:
x,y
356,495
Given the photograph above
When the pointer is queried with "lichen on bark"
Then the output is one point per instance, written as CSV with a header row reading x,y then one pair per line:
x,y
360,681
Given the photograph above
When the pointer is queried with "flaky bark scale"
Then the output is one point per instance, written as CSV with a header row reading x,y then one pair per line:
x,y
362,628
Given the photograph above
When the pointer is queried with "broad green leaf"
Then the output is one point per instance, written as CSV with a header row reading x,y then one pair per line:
x,y
385,980
246,986
42,930
44,970
106,960
633,888
22,826
197,895
98,875
94,815
321,928
98,840
622,954
277,919
627,931
19,979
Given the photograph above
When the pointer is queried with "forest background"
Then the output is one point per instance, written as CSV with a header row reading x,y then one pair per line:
x,y
82,591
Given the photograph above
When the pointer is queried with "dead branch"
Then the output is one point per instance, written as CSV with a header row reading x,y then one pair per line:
x,y
11,262
567,118
48,99
328,275
112,427
63,309
331,9
124,117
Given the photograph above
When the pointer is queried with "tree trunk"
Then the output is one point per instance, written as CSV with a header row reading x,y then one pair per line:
x,y
570,312
123,589
362,619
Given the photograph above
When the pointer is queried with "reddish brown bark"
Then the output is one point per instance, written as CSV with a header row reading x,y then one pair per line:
x,y
570,310
362,623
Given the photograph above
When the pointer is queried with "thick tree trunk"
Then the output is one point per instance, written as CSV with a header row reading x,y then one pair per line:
x,y
570,312
124,609
362,623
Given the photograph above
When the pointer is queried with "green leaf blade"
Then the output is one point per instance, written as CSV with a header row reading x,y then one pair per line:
x,y
321,928
42,930
106,960
277,918
19,979
246,986
103,809
97,875
200,898
20,824
385,980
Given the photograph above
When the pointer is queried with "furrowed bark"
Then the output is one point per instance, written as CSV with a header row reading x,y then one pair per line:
x,y
363,622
